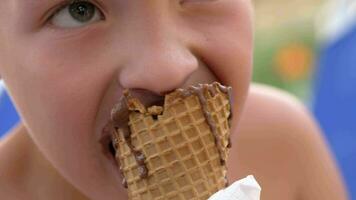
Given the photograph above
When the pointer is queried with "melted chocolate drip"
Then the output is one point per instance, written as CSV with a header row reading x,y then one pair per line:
x,y
124,182
199,91
120,117
110,130
115,144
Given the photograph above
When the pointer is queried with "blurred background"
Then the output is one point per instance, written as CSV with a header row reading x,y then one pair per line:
x,y
307,47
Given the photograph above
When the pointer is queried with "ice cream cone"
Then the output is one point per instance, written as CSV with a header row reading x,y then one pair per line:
x,y
177,151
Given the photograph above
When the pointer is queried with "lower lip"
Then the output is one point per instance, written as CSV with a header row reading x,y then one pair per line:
x,y
107,149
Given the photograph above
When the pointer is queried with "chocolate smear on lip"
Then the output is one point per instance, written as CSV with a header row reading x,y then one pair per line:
x,y
109,130
120,118
200,91
115,144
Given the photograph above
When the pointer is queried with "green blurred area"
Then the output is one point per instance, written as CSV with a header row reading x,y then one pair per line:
x,y
274,38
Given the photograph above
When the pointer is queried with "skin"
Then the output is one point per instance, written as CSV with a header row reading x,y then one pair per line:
x,y
64,83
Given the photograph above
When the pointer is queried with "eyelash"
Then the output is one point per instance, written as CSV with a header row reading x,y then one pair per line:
x,y
66,3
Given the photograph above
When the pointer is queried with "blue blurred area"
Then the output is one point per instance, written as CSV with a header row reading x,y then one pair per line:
x,y
335,102
8,114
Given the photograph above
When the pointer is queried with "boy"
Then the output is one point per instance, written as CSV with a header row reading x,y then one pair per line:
x,y
65,64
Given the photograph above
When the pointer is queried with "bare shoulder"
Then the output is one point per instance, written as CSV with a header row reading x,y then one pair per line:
x,y
272,106
280,143
271,111
12,166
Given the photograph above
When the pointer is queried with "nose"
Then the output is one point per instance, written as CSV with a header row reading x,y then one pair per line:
x,y
158,66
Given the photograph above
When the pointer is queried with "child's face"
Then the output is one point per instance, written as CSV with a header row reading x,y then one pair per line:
x,y
65,71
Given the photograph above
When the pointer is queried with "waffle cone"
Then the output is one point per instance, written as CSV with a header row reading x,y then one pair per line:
x,y
184,154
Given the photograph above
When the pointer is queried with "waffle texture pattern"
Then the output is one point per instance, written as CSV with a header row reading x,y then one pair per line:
x,y
181,152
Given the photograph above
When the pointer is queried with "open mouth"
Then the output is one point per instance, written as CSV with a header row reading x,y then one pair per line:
x,y
145,99
107,145
191,122
121,119
111,149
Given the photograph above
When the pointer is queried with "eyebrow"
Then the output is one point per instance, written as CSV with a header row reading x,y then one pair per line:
x,y
31,4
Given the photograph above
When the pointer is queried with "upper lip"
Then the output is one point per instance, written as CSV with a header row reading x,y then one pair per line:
x,y
147,98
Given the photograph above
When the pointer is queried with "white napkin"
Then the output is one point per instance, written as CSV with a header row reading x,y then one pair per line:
x,y
244,189
2,87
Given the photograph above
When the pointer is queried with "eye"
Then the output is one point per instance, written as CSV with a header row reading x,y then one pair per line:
x,y
76,14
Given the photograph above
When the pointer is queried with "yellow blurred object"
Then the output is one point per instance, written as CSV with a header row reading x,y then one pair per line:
x,y
274,13
293,61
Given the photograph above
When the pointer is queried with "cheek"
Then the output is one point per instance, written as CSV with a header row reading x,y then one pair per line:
x,y
59,101
228,51
62,82
60,90
58,94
